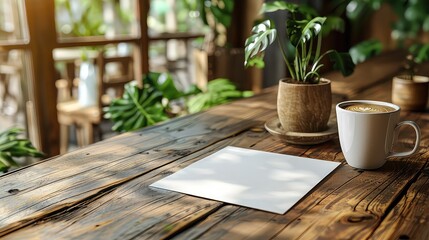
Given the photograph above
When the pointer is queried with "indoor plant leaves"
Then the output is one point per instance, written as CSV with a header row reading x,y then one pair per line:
x,y
139,107
218,91
11,145
304,32
342,62
263,35
365,50
164,83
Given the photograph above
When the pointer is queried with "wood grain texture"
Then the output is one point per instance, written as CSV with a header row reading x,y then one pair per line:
x,y
134,209
304,108
56,185
409,218
101,192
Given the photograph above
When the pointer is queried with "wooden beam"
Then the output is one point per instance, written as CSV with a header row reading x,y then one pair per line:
x,y
41,26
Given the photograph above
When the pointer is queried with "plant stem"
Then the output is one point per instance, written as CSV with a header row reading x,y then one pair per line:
x,y
303,62
296,65
292,74
319,46
320,58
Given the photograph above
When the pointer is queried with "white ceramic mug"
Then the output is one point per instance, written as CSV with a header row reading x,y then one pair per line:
x,y
366,138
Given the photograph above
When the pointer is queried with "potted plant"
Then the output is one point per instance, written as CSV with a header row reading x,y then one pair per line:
x,y
409,90
304,98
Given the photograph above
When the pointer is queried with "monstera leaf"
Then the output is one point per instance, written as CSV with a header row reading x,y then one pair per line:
x,y
302,31
138,107
164,83
312,29
262,36
342,62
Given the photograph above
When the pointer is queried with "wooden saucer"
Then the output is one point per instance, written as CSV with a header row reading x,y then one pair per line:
x,y
274,127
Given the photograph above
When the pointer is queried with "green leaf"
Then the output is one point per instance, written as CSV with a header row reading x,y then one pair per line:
x,y
365,50
278,5
164,83
356,10
7,160
222,16
12,145
7,145
219,91
220,11
342,62
262,36
307,11
144,107
420,52
333,23
312,29
302,31
257,61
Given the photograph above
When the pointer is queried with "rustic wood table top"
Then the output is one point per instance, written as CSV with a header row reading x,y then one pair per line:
x,y
101,191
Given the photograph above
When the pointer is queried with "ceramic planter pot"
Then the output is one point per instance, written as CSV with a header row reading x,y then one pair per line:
x,y
410,95
304,108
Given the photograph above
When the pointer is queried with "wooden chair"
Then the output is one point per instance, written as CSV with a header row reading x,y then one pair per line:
x,y
87,119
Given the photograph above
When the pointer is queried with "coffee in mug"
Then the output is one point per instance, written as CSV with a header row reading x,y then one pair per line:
x,y
368,108
367,129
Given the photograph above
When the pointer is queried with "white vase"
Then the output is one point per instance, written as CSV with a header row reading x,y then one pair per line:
x,y
87,90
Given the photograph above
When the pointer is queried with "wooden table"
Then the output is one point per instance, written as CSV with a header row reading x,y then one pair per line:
x,y
101,191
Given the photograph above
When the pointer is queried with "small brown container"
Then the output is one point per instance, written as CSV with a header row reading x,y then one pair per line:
x,y
410,95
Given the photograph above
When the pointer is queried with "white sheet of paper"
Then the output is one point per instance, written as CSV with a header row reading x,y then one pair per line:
x,y
262,180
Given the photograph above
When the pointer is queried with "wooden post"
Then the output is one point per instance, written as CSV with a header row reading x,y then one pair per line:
x,y
41,25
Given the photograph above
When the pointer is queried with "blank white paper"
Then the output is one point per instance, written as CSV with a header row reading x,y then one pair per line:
x,y
262,180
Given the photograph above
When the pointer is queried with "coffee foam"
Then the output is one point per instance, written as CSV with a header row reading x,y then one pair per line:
x,y
368,108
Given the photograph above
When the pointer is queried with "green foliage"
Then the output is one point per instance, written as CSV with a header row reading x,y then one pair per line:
x,y
412,20
420,52
217,14
141,107
365,50
138,107
219,10
413,17
304,31
263,35
219,91
88,20
11,146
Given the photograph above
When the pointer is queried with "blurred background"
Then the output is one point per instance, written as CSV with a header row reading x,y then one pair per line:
x,y
51,49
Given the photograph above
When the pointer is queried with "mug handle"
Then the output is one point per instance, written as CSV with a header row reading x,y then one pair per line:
x,y
417,143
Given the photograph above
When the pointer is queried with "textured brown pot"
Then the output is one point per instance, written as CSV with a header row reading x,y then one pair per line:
x,y
410,95
304,107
